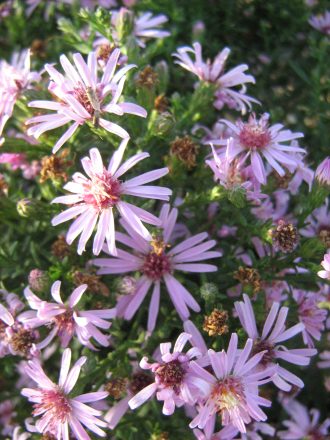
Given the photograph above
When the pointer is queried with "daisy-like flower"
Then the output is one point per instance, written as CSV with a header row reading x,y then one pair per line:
x,y
322,173
321,22
274,333
303,424
66,319
310,315
257,140
156,264
95,197
82,96
233,391
326,266
318,225
58,410
226,94
174,384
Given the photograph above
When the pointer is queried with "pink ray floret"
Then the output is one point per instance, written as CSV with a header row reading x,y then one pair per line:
x,y
326,266
82,96
58,410
67,320
95,198
232,391
174,384
227,82
157,261
273,334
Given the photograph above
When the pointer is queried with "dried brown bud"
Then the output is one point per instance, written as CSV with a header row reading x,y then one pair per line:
x,y
185,150
60,248
54,167
161,103
117,387
140,381
248,276
216,323
38,48
324,235
21,341
93,282
147,78
285,236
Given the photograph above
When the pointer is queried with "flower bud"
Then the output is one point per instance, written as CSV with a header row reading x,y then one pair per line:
x,y
322,173
39,280
209,292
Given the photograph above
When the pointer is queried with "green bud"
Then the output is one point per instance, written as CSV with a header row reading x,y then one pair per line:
x,y
163,124
26,207
209,292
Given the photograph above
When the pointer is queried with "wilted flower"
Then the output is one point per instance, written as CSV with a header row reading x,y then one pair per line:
x,y
82,96
233,391
174,383
57,409
257,140
67,320
226,94
95,197
156,264
285,236
272,335
322,173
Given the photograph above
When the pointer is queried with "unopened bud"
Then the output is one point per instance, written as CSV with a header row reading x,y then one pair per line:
x,y
39,280
124,24
209,292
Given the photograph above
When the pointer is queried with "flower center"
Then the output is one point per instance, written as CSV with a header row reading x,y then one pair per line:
x,y
170,374
259,346
254,136
65,323
22,340
157,263
89,98
102,191
140,381
228,394
315,435
56,408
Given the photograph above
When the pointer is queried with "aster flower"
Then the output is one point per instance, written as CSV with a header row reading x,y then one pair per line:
x,y
174,384
257,140
318,225
233,391
66,319
58,410
226,94
321,22
310,315
322,173
326,266
274,333
156,264
94,199
303,423
83,97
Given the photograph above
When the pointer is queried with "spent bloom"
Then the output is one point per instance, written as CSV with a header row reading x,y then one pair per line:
x,y
82,96
321,22
303,424
157,261
257,140
326,266
67,320
174,384
94,199
273,334
233,391
322,173
213,72
58,410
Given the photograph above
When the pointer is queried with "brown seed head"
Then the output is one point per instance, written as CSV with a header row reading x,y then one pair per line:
x,y
117,387
285,236
60,248
248,276
161,103
54,167
95,285
216,323
147,78
185,150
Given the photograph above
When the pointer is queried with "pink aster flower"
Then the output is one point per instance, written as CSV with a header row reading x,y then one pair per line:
x,y
83,97
257,140
174,384
233,391
326,266
58,410
321,22
226,94
66,319
95,197
156,264
310,315
274,333
322,173
303,423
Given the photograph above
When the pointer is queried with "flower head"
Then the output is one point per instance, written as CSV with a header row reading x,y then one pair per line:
x,y
67,320
322,173
173,382
273,333
82,96
257,140
233,391
321,22
157,261
213,72
58,410
94,199
318,225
